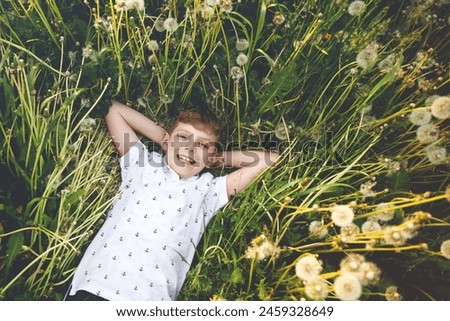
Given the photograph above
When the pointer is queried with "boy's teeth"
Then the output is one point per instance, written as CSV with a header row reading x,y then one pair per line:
x,y
184,159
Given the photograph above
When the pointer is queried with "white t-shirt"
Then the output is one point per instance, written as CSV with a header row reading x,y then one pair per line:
x,y
146,245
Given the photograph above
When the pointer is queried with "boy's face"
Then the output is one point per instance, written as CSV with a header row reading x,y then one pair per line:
x,y
189,149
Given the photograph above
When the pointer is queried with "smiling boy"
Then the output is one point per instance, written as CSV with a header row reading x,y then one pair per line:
x,y
146,245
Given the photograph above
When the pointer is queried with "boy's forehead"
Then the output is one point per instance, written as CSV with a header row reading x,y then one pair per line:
x,y
198,133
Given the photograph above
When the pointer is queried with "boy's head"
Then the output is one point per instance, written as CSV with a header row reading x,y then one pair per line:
x,y
191,143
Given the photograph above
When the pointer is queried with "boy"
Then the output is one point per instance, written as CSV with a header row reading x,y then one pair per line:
x,y
147,243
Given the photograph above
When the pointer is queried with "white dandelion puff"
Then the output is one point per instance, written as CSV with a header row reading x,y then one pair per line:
x,y
316,288
396,236
308,267
86,125
436,154
366,189
352,263
440,108
370,226
236,72
207,12
241,59
387,63
347,287
369,273
419,117
367,56
212,3
262,248
281,131
427,133
241,44
342,215
317,229
356,8
445,249
349,232
386,212
153,45
170,24
159,25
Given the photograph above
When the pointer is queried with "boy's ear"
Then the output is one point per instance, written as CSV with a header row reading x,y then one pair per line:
x,y
165,142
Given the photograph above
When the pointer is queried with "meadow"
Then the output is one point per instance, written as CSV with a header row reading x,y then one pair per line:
x,y
353,94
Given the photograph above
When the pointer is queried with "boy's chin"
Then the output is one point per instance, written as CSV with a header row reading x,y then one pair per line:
x,y
186,171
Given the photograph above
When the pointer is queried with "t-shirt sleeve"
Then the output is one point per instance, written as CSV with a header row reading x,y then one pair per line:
x,y
135,157
216,197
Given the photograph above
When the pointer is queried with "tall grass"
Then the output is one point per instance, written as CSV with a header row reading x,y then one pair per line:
x,y
332,89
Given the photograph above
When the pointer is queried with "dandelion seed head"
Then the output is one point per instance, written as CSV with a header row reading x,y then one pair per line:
x,y
395,236
212,3
170,24
349,232
159,25
366,188
392,294
430,99
153,45
241,59
386,213
387,63
317,229
440,108
342,215
207,12
241,44
367,56
226,6
369,273
236,72
427,133
316,288
281,131
419,117
278,18
347,287
262,248
445,249
165,99
437,155
86,125
351,263
88,52
370,226
356,8
308,267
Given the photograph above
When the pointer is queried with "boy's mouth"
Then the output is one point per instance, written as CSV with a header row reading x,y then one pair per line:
x,y
185,159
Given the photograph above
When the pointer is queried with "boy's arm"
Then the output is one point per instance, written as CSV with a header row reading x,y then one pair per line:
x,y
249,163
123,122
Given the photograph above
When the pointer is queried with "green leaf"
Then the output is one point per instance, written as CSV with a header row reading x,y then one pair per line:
x,y
236,276
14,246
73,197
